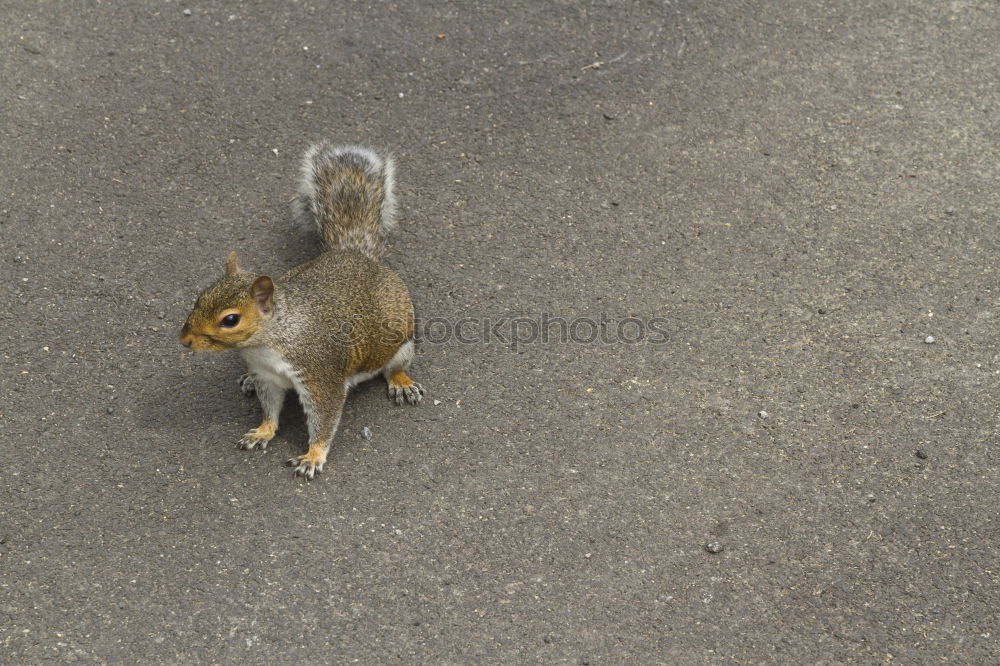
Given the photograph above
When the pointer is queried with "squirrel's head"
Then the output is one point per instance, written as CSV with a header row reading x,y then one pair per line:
x,y
229,312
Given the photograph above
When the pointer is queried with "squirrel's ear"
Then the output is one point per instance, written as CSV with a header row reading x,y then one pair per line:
x,y
263,294
232,264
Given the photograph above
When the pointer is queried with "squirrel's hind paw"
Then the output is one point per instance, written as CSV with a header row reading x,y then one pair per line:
x,y
412,394
403,389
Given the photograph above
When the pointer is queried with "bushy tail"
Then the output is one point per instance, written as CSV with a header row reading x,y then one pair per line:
x,y
346,194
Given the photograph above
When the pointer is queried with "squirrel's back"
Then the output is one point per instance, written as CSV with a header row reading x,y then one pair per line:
x,y
346,194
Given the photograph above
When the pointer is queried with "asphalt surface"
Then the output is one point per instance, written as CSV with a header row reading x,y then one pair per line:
x,y
799,193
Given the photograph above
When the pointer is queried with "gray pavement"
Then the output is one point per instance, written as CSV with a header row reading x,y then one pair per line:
x,y
799,193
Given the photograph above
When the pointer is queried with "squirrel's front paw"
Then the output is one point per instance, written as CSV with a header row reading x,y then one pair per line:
x,y
307,465
247,383
258,437
252,440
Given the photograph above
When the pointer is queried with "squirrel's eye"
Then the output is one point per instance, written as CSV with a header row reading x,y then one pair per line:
x,y
230,320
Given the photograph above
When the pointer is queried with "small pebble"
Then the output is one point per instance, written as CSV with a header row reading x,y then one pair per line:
x,y
366,433
714,547
186,12
929,339
110,410
437,402
870,497
921,454
762,414
822,311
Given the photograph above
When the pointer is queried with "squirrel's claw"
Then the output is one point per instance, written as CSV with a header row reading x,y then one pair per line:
x,y
412,394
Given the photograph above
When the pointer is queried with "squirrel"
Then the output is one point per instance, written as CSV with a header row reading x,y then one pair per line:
x,y
329,324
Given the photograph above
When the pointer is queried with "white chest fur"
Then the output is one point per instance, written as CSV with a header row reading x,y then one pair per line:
x,y
269,366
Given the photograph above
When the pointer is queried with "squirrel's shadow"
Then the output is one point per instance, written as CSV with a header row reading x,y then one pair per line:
x,y
304,247
301,246
209,395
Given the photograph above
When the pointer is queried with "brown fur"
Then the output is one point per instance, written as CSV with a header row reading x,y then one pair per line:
x,y
203,330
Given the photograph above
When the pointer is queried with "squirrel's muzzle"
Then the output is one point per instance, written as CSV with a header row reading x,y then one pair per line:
x,y
185,336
